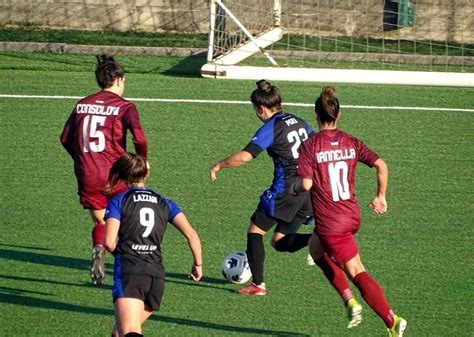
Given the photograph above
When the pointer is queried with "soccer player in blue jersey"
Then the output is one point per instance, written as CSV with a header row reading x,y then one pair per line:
x,y
138,218
281,136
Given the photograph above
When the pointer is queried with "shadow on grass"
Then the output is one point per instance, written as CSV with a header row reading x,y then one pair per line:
x,y
187,67
205,282
24,247
44,259
82,264
14,299
87,284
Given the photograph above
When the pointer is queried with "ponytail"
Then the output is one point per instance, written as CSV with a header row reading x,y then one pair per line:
x,y
327,105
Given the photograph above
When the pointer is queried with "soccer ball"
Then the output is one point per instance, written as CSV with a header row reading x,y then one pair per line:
x,y
235,268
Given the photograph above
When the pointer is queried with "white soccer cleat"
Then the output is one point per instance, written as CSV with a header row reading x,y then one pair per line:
x,y
98,265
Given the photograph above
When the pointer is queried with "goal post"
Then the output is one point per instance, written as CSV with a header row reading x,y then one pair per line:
x,y
423,42
230,42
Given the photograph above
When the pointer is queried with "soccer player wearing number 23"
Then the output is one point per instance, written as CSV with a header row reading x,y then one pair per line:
x,y
281,136
95,137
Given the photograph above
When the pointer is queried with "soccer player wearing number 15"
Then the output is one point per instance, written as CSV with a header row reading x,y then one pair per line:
x,y
95,137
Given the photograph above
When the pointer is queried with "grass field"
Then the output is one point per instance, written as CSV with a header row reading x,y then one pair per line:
x,y
421,251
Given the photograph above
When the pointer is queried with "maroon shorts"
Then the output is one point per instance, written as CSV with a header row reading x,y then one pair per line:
x,y
341,247
94,201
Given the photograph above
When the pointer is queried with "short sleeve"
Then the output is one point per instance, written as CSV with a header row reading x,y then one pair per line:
x,y
174,209
366,155
114,208
262,139
305,163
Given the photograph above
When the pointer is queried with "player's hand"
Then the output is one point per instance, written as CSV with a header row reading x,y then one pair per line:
x,y
378,205
213,171
196,273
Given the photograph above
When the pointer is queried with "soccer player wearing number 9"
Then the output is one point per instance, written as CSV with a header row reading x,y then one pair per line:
x,y
138,218
95,137
281,136
327,167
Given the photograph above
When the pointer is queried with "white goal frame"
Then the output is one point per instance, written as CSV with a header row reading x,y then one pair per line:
x,y
226,66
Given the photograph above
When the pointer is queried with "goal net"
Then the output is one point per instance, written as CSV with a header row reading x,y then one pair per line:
x,y
420,42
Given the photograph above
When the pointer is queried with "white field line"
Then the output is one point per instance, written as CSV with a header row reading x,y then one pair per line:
x,y
206,101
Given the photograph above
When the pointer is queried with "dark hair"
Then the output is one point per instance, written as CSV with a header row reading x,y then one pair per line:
x,y
327,105
107,70
267,95
130,168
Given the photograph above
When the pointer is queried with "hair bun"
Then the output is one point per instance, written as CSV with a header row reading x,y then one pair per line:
x,y
328,91
264,86
103,59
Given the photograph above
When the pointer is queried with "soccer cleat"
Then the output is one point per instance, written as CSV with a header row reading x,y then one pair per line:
x,y
98,265
310,260
253,289
354,313
398,328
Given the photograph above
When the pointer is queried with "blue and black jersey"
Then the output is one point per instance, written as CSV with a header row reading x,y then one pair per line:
x,y
281,136
143,216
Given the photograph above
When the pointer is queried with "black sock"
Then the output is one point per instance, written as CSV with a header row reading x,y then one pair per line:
x,y
133,334
292,242
256,256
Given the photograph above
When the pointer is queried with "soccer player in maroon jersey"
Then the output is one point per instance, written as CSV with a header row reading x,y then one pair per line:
x,y
95,137
327,168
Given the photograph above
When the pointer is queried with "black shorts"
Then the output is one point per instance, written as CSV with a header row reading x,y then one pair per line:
x,y
147,288
289,213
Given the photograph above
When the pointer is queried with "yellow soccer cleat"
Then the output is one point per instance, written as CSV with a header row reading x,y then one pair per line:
x,y
398,328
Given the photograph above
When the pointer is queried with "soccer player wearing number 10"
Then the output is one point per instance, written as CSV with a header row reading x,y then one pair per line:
x,y
327,167
95,137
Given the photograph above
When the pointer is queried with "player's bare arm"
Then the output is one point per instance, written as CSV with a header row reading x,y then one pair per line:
x,y
111,232
182,224
379,203
234,160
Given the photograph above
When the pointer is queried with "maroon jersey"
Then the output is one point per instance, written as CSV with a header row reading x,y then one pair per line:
x,y
330,158
95,137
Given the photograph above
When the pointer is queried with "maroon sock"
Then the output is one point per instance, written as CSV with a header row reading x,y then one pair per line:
x,y
335,276
98,234
374,296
